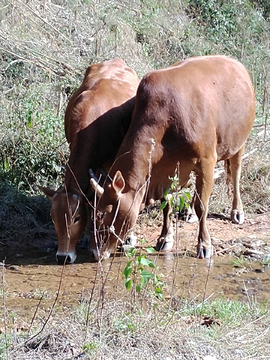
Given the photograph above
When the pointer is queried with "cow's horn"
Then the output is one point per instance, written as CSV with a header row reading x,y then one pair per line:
x,y
94,183
92,175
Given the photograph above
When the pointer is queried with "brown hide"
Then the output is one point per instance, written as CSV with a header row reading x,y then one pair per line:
x,y
194,113
97,118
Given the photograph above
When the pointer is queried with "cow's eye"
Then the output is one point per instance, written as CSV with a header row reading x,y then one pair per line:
x,y
77,218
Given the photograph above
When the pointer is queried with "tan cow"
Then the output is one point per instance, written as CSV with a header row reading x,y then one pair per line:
x,y
194,113
96,119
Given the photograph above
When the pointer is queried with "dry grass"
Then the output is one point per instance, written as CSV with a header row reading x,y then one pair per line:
x,y
254,184
114,327
45,49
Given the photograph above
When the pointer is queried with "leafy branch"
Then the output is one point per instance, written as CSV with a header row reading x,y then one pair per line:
x,y
137,272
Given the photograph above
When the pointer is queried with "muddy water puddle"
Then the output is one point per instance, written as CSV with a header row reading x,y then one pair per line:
x,y
28,287
225,277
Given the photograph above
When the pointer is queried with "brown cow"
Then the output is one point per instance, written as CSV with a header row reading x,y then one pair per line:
x,y
194,113
96,119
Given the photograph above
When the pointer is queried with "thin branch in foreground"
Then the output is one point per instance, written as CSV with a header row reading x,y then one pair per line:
x,y
49,315
4,308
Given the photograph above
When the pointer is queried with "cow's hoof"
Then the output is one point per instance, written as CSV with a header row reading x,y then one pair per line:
x,y
203,253
97,256
105,255
237,217
131,240
192,218
163,245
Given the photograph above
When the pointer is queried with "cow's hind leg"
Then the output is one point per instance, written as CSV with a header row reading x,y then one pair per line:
x,y
166,239
204,184
234,173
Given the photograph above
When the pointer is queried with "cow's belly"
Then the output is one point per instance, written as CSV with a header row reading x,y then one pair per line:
x,y
163,174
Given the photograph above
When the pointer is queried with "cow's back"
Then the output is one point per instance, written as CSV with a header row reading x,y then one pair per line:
x,y
197,102
105,85
97,118
200,106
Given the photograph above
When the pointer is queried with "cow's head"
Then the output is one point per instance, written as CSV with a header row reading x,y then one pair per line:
x,y
120,207
69,216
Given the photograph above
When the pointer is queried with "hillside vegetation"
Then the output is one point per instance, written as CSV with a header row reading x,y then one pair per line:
x,y
46,46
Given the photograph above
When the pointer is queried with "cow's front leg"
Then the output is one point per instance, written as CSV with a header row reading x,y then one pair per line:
x,y
166,239
191,215
204,184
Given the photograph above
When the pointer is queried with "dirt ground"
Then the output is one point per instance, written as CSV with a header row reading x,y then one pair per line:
x,y
33,283
252,239
32,270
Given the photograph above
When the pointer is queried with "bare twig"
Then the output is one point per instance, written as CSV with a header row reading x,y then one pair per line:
x,y
51,309
4,308
226,249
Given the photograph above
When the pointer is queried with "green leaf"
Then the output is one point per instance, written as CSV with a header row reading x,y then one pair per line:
x,y
187,193
181,203
30,119
6,164
131,252
145,262
145,276
127,271
159,293
163,205
166,193
142,241
150,250
128,283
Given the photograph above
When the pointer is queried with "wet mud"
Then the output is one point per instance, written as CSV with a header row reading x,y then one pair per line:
x,y
32,281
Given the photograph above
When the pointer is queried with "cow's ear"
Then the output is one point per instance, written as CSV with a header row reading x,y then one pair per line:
x,y
48,192
118,182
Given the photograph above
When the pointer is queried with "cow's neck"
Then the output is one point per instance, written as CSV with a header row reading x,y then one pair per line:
x,y
76,177
135,172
